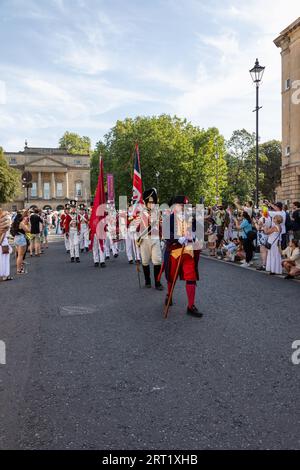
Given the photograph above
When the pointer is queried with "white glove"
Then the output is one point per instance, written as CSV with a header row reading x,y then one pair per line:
x,y
182,241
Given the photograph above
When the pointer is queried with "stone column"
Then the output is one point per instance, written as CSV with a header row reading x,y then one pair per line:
x,y
67,186
40,189
53,188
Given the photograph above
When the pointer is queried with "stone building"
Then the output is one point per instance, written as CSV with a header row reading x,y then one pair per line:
x,y
57,177
289,42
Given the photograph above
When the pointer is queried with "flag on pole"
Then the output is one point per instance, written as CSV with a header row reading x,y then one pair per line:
x,y
110,188
99,210
137,188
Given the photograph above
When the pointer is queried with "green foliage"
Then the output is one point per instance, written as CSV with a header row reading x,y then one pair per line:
x,y
241,165
75,144
182,154
10,180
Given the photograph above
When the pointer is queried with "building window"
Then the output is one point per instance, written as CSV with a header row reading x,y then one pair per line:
x,y
34,189
12,161
288,84
287,151
59,190
77,162
78,189
46,190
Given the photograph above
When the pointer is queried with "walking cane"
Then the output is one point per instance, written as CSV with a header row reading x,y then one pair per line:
x,y
166,310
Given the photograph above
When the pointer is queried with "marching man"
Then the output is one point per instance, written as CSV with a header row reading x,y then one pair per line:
x,y
64,216
98,253
84,228
182,253
132,250
149,238
72,231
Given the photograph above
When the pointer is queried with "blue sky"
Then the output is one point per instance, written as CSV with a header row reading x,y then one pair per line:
x,y
80,65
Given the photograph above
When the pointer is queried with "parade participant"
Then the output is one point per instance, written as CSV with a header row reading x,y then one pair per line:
x,y
84,228
149,238
183,254
72,231
65,219
98,254
111,241
132,250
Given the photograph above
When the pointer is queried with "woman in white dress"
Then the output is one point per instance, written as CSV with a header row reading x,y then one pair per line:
x,y
274,265
5,252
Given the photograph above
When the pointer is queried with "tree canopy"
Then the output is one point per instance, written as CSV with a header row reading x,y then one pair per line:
x,y
75,144
176,157
10,180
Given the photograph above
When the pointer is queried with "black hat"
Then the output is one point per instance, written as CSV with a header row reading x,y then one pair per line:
x,y
178,200
67,206
81,206
150,195
73,203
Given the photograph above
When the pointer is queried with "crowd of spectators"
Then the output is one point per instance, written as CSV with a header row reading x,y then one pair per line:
x,y
235,233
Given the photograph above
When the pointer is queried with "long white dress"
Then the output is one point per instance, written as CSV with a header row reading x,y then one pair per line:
x,y
274,255
5,259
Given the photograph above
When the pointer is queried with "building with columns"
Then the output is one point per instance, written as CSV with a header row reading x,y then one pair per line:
x,y
57,177
289,43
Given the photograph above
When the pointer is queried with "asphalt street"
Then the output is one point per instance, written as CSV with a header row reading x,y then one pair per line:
x,y
92,364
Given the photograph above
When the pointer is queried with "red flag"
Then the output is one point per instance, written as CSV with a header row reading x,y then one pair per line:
x,y
137,186
99,210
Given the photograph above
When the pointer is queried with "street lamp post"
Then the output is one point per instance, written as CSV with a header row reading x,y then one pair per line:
x,y
257,75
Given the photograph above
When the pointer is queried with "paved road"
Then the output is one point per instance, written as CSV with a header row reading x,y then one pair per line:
x,y
119,376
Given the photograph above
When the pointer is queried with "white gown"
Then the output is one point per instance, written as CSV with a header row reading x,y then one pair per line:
x,y
5,259
274,255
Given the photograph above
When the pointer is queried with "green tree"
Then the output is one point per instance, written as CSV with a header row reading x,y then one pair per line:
x,y
270,164
182,154
10,181
75,144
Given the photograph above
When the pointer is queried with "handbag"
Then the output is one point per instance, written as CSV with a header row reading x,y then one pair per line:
x,y
269,245
5,249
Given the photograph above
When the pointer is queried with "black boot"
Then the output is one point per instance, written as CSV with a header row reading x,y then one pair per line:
x,y
72,260
86,249
103,265
96,264
146,270
77,260
158,285
194,312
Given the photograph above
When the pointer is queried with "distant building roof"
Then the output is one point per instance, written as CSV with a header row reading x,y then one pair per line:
x,y
46,151
285,33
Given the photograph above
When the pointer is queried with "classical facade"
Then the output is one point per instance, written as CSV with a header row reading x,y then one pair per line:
x,y
57,177
289,42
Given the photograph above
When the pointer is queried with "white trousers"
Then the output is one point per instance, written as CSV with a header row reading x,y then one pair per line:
x,y
67,242
98,254
84,237
74,243
110,245
151,251
132,250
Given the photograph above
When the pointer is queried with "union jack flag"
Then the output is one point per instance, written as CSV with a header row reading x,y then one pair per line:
x,y
137,188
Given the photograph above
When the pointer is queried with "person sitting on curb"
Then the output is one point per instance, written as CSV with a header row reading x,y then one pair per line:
x,y
292,261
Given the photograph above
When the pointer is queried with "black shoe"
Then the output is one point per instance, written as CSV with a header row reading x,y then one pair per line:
x,y
289,277
159,286
116,255
130,262
68,251
106,257
81,251
260,268
96,265
194,312
167,299
77,260
86,250
103,265
137,261
72,260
